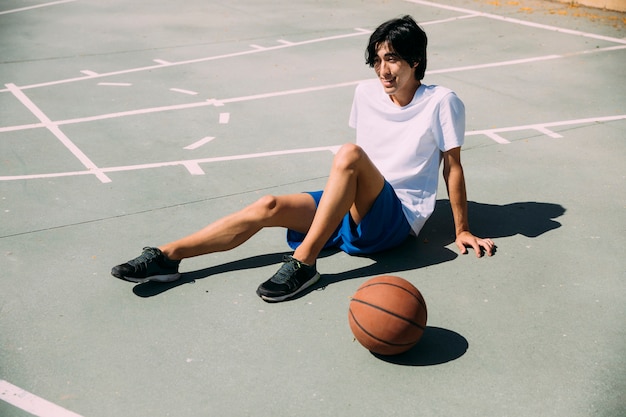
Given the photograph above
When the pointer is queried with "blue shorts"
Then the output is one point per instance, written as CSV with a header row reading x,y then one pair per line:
x,y
383,227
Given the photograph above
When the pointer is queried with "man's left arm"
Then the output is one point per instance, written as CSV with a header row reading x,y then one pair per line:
x,y
455,183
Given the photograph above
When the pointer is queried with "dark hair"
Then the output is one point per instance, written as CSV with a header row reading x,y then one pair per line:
x,y
406,38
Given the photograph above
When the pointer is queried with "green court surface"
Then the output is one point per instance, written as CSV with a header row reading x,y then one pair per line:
x,y
130,124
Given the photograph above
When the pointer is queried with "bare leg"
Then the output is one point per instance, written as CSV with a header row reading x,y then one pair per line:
x,y
353,185
294,211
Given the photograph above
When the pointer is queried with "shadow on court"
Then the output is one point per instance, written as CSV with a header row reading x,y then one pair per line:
x,y
437,346
530,219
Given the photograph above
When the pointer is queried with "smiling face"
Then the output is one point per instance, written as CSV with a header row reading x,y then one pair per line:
x,y
396,75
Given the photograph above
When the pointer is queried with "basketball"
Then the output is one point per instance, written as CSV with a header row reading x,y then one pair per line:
x,y
387,315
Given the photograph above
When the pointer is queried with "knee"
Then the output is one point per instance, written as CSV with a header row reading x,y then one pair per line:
x,y
265,207
348,156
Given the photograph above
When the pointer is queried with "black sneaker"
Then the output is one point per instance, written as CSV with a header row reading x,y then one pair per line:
x,y
151,265
292,278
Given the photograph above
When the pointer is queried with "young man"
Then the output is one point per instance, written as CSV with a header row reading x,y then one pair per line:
x,y
379,190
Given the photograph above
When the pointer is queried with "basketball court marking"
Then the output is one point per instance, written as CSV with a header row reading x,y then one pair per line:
x,y
188,92
518,21
22,9
289,92
543,127
224,118
297,91
56,131
357,32
115,84
38,406
199,143
31,403
193,165
165,64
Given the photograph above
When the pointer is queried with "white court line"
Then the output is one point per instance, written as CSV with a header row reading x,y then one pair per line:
x,y
221,102
542,127
189,164
178,90
215,102
193,168
89,73
199,143
136,112
222,158
358,32
31,403
21,127
526,60
22,9
54,129
548,132
193,165
519,21
496,64
195,61
450,19
538,126
289,92
115,84
150,110
224,118
493,136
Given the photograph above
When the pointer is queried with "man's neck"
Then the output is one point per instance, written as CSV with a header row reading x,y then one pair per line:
x,y
406,96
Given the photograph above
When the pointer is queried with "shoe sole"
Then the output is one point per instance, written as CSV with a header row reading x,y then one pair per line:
x,y
306,285
153,278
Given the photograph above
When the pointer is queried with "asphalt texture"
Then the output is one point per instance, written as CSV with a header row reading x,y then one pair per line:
x,y
130,124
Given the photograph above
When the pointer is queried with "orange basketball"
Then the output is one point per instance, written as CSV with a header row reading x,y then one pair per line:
x,y
387,315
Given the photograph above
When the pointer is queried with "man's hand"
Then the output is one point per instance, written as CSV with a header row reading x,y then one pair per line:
x,y
467,240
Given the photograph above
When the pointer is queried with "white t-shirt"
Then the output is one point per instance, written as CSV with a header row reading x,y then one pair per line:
x,y
405,143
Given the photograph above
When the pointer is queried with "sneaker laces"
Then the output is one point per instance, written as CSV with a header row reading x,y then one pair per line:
x,y
142,260
285,272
